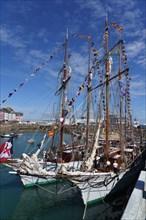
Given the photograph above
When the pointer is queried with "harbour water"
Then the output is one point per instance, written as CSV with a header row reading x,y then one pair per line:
x,y
36,203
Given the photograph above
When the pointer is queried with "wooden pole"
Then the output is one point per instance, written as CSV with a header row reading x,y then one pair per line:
x,y
63,96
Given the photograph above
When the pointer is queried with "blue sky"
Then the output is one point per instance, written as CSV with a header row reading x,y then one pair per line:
x,y
32,30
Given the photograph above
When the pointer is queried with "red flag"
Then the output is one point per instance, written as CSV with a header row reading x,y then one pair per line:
x,y
50,134
117,26
21,84
81,36
6,149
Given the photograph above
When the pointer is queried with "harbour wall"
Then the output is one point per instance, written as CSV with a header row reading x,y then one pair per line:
x,y
136,207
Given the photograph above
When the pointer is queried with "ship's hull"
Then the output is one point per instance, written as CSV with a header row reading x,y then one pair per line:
x,y
95,189
94,186
92,191
128,179
33,180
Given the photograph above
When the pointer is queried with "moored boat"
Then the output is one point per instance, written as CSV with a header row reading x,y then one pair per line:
x,y
9,135
31,141
108,152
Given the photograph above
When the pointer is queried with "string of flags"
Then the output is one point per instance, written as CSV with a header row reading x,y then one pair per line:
x,y
128,99
84,84
127,89
35,71
126,92
117,26
51,132
81,87
124,88
103,102
81,36
96,53
124,56
70,103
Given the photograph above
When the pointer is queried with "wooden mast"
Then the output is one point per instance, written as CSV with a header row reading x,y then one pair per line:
x,y
89,95
107,90
121,105
63,95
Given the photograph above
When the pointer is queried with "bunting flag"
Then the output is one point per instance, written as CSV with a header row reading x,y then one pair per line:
x,y
50,134
124,56
95,52
10,94
103,102
6,150
117,26
81,36
35,71
61,119
55,127
70,103
21,84
81,87
65,112
128,100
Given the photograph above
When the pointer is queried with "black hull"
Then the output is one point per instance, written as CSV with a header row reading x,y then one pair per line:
x,y
128,179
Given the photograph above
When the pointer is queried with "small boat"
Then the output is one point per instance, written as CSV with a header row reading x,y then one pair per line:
x,y
6,135
31,141
20,134
9,135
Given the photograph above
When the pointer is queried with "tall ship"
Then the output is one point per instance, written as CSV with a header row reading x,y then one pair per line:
x,y
101,154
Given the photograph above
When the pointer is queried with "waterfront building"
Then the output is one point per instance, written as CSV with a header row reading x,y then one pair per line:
x,y
8,114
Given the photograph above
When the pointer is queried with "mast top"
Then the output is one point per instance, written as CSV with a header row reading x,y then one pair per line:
x,y
67,33
106,18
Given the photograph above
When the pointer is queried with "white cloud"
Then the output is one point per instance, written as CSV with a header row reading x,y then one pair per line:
x,y
20,7
138,86
36,53
137,33
42,34
79,63
20,45
128,3
133,49
136,51
11,38
97,8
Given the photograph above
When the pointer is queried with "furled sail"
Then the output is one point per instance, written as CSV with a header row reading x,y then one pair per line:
x,y
89,161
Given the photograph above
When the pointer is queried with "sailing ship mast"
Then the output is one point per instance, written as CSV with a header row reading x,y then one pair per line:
x,y
107,90
121,105
89,95
63,95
